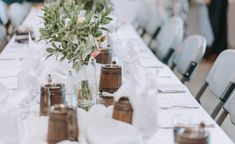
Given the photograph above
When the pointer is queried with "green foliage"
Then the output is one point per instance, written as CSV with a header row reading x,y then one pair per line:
x,y
89,5
94,5
72,37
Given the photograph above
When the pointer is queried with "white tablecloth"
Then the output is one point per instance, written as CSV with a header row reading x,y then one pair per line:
x,y
12,61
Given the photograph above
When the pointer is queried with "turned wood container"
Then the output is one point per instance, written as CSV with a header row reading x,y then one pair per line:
x,y
192,137
123,110
62,124
106,100
51,94
105,57
110,78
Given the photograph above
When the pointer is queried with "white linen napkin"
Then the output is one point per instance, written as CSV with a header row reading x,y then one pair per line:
x,y
101,130
11,126
35,55
57,70
94,126
143,98
11,123
27,80
28,76
35,130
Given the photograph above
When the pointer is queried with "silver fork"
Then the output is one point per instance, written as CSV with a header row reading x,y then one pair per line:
x,y
183,107
170,91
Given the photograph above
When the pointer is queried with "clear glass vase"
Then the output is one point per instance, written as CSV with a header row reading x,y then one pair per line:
x,y
87,88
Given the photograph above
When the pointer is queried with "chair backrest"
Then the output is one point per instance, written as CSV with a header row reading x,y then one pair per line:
x,y
157,19
3,12
142,16
17,12
221,73
229,107
171,34
191,50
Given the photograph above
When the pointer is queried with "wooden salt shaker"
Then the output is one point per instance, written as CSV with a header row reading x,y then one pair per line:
x,y
51,94
191,136
62,124
123,110
105,57
110,78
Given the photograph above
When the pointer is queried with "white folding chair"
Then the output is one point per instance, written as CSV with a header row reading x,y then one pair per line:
x,y
3,13
142,17
171,34
229,108
220,79
153,27
17,12
188,55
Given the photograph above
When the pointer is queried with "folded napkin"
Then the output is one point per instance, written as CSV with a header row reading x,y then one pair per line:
x,y
143,99
11,123
57,70
28,76
35,55
95,127
35,130
27,80
101,130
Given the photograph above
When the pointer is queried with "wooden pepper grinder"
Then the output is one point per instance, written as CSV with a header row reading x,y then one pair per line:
x,y
193,136
51,94
123,110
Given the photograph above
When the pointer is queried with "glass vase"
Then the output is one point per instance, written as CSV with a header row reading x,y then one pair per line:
x,y
87,88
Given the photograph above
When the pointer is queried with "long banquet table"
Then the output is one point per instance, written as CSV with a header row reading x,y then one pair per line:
x,y
15,56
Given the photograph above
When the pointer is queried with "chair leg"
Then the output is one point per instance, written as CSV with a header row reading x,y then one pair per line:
x,y
183,79
143,33
217,109
201,91
167,57
227,92
150,43
154,36
188,73
222,117
173,66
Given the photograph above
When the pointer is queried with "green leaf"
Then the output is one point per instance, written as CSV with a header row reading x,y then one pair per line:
x,y
49,56
74,41
51,50
104,28
97,33
106,20
89,17
54,45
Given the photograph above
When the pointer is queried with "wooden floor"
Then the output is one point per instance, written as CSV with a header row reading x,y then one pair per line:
x,y
3,43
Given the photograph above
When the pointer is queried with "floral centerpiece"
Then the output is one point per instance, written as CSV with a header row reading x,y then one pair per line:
x,y
72,36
